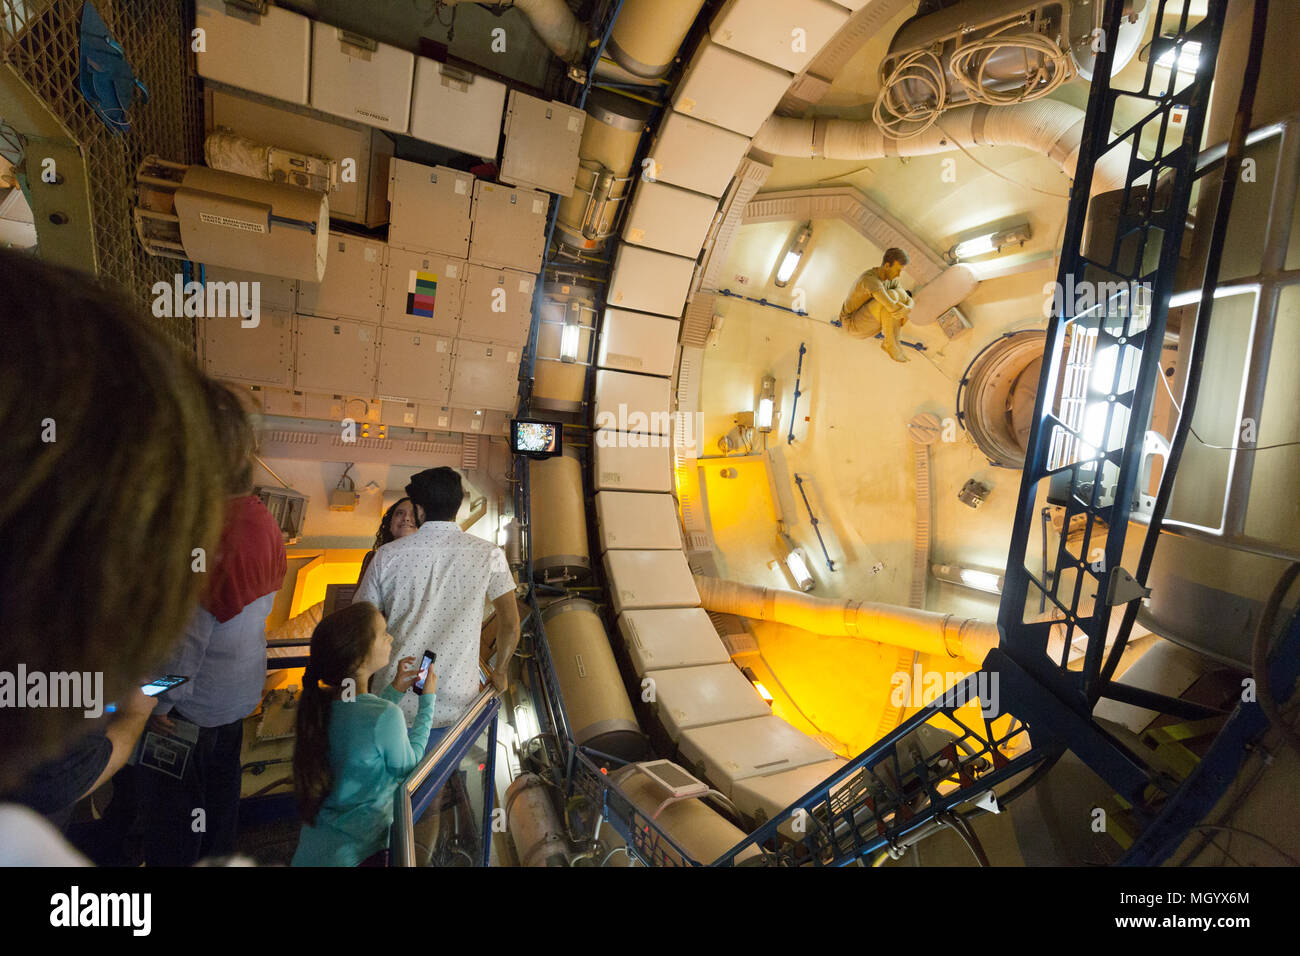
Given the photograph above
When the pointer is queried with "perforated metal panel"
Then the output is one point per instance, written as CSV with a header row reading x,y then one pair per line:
x,y
648,579
650,281
498,305
730,90
635,342
336,356
621,465
542,140
659,638
669,219
268,54
637,403
633,520
695,155
371,86
424,292
260,355
354,281
509,227
727,753
457,109
486,375
429,208
687,697
785,33
414,367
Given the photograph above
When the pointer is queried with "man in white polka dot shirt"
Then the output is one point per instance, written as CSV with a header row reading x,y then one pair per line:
x,y
430,585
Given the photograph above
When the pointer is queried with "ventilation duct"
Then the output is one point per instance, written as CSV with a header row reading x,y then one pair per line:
x,y
926,632
1047,127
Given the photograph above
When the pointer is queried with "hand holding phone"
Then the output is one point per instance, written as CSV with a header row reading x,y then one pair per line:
x,y
426,671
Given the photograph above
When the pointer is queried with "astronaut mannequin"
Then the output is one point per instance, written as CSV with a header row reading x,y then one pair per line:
x,y
878,303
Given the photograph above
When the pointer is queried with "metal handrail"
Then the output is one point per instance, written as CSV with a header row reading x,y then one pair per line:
x,y
454,743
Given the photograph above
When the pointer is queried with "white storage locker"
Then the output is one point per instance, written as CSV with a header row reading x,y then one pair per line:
x,y
429,208
498,305
639,404
259,355
361,79
364,201
669,219
485,376
424,292
687,697
509,227
696,155
457,109
335,356
743,749
766,29
542,141
650,281
764,797
414,367
641,579
635,342
268,53
729,89
660,638
621,466
353,287
632,519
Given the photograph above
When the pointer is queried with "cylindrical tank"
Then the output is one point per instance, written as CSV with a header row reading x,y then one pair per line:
x,y
695,827
560,378
649,33
609,143
534,825
558,531
595,701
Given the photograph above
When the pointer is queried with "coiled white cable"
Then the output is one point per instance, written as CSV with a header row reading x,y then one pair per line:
x,y
1054,60
930,75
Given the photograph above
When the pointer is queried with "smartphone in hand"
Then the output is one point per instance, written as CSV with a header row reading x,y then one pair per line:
x,y
425,665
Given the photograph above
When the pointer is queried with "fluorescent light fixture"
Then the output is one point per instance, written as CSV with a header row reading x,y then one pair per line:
x,y
1189,57
763,692
766,405
797,564
968,577
989,242
569,338
793,255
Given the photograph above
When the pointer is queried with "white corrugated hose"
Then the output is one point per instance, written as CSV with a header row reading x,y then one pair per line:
x,y
1048,127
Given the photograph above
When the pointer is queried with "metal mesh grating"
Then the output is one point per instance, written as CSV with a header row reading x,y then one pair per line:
x,y
39,40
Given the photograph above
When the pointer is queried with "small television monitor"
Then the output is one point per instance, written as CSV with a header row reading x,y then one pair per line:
x,y
536,438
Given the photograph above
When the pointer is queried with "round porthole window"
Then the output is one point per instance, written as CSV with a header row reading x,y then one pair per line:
x,y
996,396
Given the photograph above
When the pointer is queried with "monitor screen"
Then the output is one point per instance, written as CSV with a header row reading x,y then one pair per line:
x,y
537,439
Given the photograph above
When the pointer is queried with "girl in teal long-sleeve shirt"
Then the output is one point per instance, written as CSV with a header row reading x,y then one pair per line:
x,y
353,749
